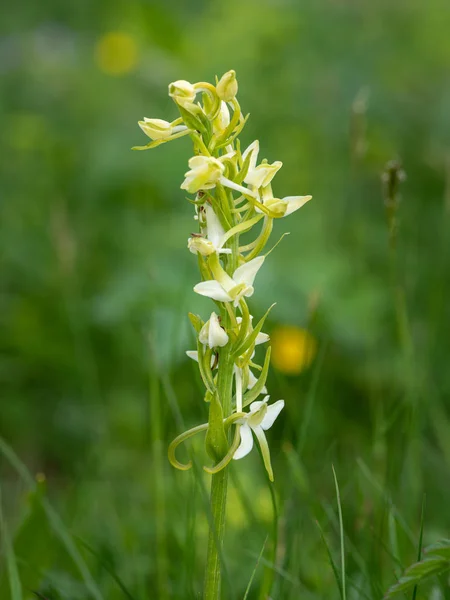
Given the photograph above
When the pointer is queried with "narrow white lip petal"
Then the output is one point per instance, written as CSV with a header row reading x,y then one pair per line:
x,y
246,273
294,203
262,338
246,444
272,413
192,354
215,229
212,289
217,336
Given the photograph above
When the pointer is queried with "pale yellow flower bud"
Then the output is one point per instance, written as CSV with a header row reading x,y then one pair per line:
x,y
201,246
227,87
156,129
182,91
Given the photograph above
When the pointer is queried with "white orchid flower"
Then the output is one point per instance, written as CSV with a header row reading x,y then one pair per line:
x,y
232,289
212,334
259,175
212,238
259,419
204,174
206,171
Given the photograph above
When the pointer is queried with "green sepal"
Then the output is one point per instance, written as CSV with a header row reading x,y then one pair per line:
x,y
150,145
192,120
245,323
242,227
231,139
250,340
223,209
216,443
244,170
196,321
205,368
251,395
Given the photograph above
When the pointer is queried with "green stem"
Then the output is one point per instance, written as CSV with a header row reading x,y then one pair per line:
x,y
219,482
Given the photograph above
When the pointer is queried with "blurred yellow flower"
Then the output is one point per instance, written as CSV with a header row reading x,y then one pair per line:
x,y
116,53
293,349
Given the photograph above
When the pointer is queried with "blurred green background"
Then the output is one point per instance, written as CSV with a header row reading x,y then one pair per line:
x,y
97,282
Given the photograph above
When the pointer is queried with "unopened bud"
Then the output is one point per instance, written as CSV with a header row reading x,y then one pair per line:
x,y
156,129
227,87
182,91
201,246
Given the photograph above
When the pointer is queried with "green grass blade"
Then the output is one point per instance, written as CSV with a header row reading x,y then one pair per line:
x,y
13,572
331,559
247,591
55,522
419,553
341,532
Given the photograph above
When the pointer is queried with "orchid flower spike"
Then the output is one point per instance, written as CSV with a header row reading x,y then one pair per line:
x,y
260,418
233,193
232,289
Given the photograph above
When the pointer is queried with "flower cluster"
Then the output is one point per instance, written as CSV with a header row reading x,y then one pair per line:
x,y
232,193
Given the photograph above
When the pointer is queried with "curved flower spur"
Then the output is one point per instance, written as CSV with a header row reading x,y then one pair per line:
x,y
232,193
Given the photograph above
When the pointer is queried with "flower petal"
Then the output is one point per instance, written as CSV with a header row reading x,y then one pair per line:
x,y
255,406
262,338
252,380
192,354
254,149
246,444
214,228
294,203
272,413
246,273
212,289
216,335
